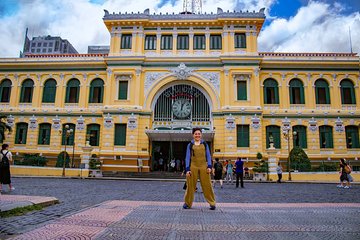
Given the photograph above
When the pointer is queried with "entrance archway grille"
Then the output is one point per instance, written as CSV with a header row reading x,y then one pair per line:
x,y
200,110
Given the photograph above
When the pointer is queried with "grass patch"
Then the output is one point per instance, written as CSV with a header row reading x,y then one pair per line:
x,y
20,211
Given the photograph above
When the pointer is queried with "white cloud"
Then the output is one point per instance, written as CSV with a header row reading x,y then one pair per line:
x,y
316,27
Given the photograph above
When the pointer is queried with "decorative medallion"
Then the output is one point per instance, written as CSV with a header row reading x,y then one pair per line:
x,y
182,72
108,121
313,125
255,122
132,122
80,123
10,120
33,122
213,78
230,122
339,126
56,123
286,125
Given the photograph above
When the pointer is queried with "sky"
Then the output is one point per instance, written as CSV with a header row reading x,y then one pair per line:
x,y
290,26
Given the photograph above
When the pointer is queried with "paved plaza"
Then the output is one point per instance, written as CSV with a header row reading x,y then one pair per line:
x,y
118,209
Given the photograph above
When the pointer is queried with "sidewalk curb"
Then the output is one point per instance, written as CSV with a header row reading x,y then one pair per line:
x,y
10,202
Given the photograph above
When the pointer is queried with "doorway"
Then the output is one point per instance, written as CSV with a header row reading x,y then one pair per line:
x,y
165,153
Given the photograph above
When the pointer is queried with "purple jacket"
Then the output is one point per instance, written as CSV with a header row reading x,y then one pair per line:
x,y
188,155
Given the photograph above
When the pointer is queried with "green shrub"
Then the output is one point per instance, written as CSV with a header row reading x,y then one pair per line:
x,y
32,160
94,162
261,167
299,160
60,160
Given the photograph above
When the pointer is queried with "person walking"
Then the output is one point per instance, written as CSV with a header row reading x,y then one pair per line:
x,y
198,166
5,160
344,171
239,164
217,172
229,172
279,172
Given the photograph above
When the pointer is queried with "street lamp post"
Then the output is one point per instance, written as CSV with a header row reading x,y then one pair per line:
x,y
288,138
68,132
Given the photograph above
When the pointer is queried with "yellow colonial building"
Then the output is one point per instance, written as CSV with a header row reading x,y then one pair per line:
x,y
168,73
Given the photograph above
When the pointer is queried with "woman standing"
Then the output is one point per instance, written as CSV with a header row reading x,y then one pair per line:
x,y
198,165
5,159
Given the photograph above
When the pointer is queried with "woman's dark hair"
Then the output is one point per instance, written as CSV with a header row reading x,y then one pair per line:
x,y
196,129
4,146
343,161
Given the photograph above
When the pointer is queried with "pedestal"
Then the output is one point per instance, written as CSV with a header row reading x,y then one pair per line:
x,y
85,156
272,161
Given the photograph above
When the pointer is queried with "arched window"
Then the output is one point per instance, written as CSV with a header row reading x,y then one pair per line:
x,y
300,139
326,137
21,133
271,92
49,92
44,134
352,137
5,90
27,91
93,134
96,91
296,92
347,92
322,93
72,91
274,132
69,140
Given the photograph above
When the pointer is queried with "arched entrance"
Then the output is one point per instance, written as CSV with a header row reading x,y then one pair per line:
x,y
176,110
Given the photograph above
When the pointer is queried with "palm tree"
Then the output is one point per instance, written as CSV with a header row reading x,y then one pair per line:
x,y
3,127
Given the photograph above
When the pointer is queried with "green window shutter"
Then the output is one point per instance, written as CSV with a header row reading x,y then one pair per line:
x,y
296,92
243,136
72,91
49,91
271,87
301,139
215,42
126,41
322,93
21,133
44,134
275,132
183,42
347,92
166,42
123,90
199,42
96,91
120,134
241,90
326,137
5,90
27,91
93,134
150,42
240,40
70,139
352,137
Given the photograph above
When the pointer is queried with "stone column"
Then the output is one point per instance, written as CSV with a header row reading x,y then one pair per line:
x,y
272,161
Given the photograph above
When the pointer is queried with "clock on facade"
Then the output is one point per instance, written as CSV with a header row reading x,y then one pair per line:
x,y
181,108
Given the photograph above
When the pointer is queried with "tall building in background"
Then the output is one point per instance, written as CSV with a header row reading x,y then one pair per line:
x,y
167,73
47,45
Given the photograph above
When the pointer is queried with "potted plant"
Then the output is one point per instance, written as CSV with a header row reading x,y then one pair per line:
x,y
261,169
94,166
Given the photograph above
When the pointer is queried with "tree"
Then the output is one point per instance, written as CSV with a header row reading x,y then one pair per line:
x,y
299,160
60,160
3,128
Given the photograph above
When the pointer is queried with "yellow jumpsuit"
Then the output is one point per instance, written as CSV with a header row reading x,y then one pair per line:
x,y
198,170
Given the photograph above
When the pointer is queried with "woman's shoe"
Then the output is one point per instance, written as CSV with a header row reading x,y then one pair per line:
x,y
11,189
185,206
212,207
